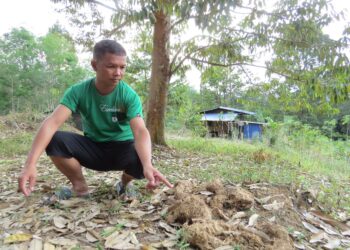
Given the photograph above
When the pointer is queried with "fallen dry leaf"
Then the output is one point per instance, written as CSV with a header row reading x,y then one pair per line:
x,y
167,227
224,248
125,240
165,243
332,244
48,246
60,222
207,193
346,233
147,247
238,215
329,220
274,206
19,237
318,237
90,237
36,244
252,220
310,227
61,241
299,246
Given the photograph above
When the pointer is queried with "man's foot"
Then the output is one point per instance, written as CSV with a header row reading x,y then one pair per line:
x,y
129,191
65,193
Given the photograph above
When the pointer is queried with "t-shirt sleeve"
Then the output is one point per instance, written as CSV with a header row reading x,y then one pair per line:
x,y
134,107
70,99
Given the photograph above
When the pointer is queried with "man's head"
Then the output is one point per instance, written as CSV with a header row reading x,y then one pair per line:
x,y
109,62
108,46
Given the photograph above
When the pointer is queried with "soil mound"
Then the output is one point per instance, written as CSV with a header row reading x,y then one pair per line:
x,y
214,215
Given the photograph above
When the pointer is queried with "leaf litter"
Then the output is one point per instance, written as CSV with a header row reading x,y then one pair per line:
x,y
211,215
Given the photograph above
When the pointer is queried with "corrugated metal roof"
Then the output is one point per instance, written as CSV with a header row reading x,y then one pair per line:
x,y
219,117
221,108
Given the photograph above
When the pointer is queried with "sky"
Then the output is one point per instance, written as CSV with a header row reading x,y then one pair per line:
x,y
39,15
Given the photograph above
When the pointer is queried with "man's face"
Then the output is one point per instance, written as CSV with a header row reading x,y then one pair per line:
x,y
110,68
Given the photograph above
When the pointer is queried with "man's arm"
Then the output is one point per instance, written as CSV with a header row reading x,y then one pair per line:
x,y
143,148
41,140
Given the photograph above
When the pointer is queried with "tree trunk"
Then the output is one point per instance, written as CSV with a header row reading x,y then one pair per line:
x,y
160,77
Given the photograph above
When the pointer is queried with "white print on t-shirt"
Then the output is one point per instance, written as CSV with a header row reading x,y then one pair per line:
x,y
106,108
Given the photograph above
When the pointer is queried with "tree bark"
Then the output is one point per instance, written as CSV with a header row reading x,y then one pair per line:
x,y
160,77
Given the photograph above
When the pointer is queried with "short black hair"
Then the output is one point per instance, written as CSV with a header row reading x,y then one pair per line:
x,y
108,46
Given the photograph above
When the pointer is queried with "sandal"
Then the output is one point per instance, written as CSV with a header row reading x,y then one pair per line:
x,y
129,190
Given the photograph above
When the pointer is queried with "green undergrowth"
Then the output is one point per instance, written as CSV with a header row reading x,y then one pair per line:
x,y
15,144
17,131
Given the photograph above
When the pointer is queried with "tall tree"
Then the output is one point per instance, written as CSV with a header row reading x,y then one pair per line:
x,y
35,71
221,85
61,64
20,68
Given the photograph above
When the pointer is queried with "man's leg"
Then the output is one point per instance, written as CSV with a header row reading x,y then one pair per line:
x,y
69,151
71,168
126,179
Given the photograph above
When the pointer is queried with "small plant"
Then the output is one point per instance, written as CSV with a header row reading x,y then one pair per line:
x,y
76,248
106,233
181,243
99,246
116,208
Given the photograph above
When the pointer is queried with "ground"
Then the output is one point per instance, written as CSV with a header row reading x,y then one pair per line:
x,y
195,214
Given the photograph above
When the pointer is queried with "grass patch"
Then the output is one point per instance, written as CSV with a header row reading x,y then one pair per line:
x,y
16,144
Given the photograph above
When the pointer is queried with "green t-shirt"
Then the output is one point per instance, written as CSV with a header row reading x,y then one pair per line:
x,y
104,117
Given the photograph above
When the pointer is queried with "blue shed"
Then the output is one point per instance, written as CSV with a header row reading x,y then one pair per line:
x,y
252,131
232,123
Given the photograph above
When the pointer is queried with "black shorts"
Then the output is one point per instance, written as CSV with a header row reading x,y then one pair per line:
x,y
100,156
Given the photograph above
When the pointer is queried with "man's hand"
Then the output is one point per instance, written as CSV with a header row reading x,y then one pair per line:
x,y
28,174
154,178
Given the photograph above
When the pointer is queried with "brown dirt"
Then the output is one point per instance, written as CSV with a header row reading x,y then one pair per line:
x,y
215,187
279,236
207,219
212,234
182,188
189,208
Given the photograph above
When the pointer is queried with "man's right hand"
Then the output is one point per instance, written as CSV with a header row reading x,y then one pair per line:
x,y
27,179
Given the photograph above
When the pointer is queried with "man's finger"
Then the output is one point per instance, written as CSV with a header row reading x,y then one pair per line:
x,y
150,186
21,186
32,182
165,181
151,180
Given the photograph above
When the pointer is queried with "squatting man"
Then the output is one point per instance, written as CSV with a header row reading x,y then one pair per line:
x,y
115,136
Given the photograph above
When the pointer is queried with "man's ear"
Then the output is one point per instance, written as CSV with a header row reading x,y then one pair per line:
x,y
94,64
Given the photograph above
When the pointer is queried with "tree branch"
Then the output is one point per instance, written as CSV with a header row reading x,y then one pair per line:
x,y
246,74
184,44
102,4
286,40
114,30
172,71
244,64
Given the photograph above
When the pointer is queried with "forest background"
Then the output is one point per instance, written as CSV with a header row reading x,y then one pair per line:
x,y
306,71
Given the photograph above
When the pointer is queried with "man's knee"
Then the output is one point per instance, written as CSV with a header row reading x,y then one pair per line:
x,y
57,145
58,137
